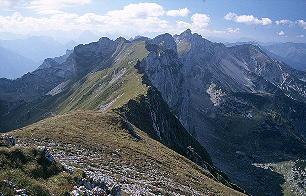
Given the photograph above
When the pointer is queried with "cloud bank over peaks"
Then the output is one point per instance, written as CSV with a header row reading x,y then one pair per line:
x,y
132,19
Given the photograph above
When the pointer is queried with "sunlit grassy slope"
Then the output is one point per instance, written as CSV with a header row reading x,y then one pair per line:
x,y
149,163
106,89
109,88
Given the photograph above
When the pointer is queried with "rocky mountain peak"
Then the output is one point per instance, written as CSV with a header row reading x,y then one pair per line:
x,y
166,41
104,39
138,38
186,33
187,41
49,62
121,40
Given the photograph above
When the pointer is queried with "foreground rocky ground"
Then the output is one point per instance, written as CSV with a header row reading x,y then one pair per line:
x,y
102,158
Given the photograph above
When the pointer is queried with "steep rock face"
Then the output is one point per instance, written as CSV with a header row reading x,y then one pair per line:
x,y
87,56
151,114
271,70
162,67
207,100
165,41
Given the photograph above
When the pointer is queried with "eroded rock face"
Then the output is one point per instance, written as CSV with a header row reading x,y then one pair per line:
x,y
165,41
212,89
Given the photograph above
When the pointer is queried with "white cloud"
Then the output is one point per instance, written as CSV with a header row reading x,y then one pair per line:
x,y
142,18
5,3
300,36
247,19
281,33
233,30
42,6
180,12
284,22
302,23
142,10
10,4
200,20
53,6
198,23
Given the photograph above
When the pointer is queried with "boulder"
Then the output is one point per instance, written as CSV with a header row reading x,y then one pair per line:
x,y
11,140
48,156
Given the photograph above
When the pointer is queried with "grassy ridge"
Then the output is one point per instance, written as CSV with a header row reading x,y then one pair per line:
x,y
106,133
114,86
94,90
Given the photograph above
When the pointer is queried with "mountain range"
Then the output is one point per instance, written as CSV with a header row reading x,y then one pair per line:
x,y
236,112
294,54
21,56
13,65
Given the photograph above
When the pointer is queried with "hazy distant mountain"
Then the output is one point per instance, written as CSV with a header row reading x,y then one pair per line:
x,y
13,65
11,36
294,54
35,48
70,45
25,55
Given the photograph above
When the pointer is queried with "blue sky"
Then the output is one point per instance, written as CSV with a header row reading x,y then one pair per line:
x,y
223,20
